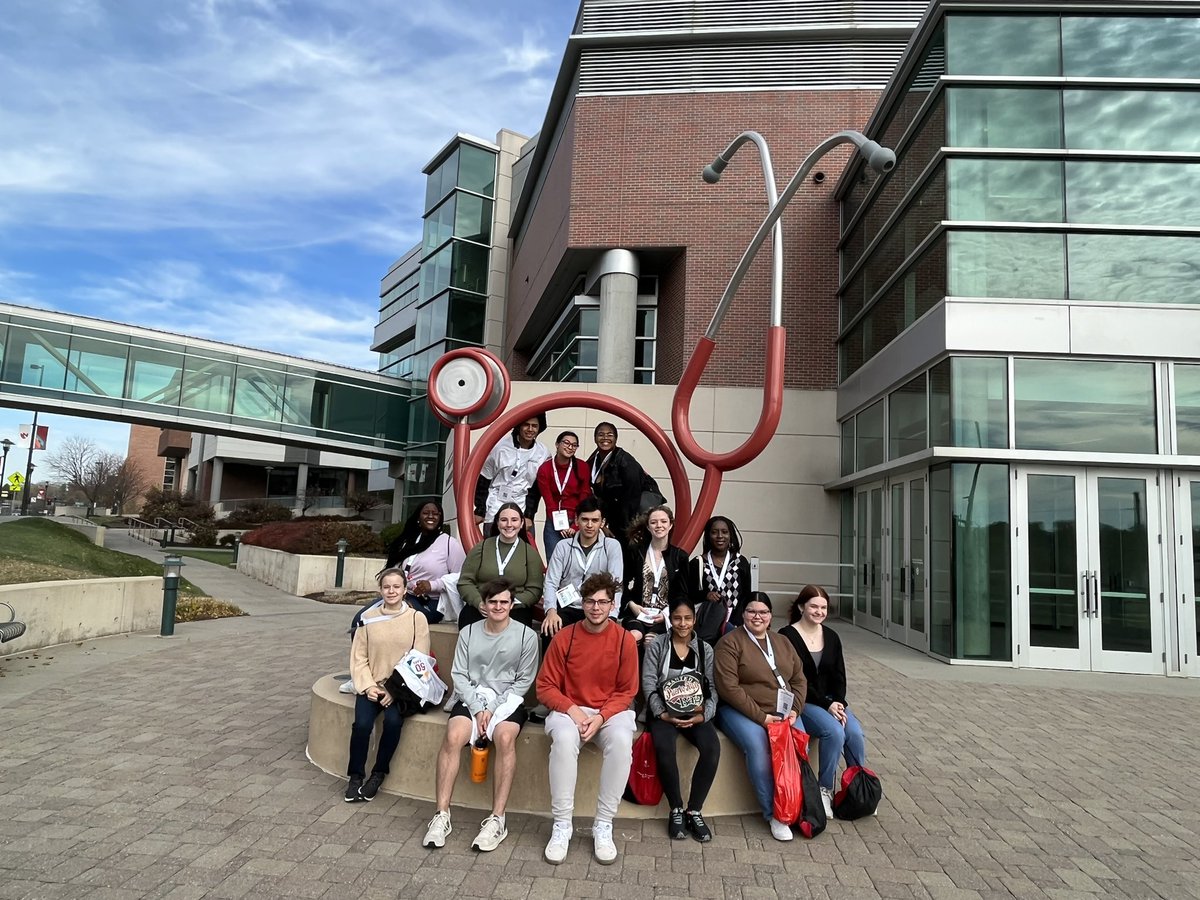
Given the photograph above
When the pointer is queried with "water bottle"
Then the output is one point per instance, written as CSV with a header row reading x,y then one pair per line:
x,y
479,759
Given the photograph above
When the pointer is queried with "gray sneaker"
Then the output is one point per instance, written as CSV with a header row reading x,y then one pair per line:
x,y
491,833
353,788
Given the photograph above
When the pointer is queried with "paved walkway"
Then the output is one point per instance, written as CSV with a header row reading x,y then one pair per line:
x,y
147,767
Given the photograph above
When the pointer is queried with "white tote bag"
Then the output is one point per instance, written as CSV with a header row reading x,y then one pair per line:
x,y
449,602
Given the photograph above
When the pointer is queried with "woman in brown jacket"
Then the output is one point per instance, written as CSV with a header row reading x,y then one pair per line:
x,y
760,680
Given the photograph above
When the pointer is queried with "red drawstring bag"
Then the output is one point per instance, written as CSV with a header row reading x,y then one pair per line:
x,y
644,787
785,767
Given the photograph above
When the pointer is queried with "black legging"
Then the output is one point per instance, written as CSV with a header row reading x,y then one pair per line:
x,y
705,739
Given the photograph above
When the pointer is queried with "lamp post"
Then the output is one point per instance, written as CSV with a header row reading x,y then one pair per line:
x,y
268,488
339,575
7,445
171,570
26,490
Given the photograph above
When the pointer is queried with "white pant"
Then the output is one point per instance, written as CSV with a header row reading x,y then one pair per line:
x,y
615,740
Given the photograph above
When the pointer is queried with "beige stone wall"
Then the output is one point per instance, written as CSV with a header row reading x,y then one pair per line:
x,y
56,612
301,574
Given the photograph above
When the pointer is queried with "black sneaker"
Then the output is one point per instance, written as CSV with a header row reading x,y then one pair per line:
x,y
353,789
695,824
371,787
675,829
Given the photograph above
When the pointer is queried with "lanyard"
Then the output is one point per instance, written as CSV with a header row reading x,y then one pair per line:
x,y
586,559
601,465
562,485
720,578
656,571
501,565
769,653
382,618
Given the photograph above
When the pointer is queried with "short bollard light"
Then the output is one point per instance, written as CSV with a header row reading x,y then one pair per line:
x,y
171,569
237,547
342,544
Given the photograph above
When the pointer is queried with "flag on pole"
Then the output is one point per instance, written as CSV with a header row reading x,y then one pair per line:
x,y
39,441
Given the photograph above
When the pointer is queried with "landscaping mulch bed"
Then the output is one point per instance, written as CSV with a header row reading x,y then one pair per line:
x,y
343,598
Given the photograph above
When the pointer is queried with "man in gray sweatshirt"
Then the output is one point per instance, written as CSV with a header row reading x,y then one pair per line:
x,y
586,553
495,662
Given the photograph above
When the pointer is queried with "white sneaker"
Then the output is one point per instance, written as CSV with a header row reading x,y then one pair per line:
x,y
491,833
560,840
603,847
780,831
827,801
439,828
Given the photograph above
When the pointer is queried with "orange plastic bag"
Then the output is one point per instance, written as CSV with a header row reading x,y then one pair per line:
x,y
785,767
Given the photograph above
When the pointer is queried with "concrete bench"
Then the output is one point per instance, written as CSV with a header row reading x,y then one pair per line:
x,y
12,629
332,714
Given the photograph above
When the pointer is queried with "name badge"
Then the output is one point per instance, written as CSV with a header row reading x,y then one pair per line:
x,y
648,616
559,520
783,702
568,595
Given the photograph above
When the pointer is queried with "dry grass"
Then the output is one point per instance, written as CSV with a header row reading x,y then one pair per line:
x,y
343,598
198,609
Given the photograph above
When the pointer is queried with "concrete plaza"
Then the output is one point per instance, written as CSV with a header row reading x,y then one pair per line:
x,y
139,767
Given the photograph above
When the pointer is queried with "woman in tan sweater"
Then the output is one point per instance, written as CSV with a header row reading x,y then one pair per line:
x,y
760,680
389,629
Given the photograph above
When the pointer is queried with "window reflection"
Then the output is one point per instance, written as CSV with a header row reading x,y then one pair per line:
x,y
259,394
1131,47
1084,405
1132,120
968,402
1134,268
1006,190
1187,411
1004,117
907,419
1002,45
870,438
1133,193
1007,264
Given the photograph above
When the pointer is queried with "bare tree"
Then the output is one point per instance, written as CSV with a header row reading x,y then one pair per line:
x,y
86,468
128,482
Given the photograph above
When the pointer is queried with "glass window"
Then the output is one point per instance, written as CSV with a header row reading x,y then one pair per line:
x,y
1133,193
1002,45
1130,268
351,409
941,581
96,367
1028,118
968,402
1131,47
1007,264
1006,190
922,215
1187,417
1132,120
848,446
466,317
258,394
435,272
473,218
470,267
870,436
982,597
1084,405
442,179
155,376
907,419
477,170
207,385
439,225
34,358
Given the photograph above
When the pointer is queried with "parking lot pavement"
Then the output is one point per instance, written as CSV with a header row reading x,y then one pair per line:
x,y
179,771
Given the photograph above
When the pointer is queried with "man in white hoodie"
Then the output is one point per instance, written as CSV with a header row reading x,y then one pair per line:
x,y
495,662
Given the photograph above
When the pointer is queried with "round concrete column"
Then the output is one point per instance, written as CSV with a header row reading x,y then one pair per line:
x,y
617,271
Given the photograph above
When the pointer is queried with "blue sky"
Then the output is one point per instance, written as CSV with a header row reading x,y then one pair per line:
x,y
243,170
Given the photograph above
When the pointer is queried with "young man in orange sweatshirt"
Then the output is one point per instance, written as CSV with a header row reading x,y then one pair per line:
x,y
588,681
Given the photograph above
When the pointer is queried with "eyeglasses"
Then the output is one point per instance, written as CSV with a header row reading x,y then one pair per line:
x,y
597,602
758,613
569,445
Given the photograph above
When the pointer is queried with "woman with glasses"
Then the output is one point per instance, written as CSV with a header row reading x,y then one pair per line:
x,y
504,555
826,715
655,574
760,680
562,481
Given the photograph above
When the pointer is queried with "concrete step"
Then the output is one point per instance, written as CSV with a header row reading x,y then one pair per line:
x,y
412,775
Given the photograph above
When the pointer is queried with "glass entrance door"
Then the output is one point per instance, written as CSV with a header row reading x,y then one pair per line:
x,y
1089,572
905,588
1187,569
869,563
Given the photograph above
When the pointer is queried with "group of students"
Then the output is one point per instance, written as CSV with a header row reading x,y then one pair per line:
x,y
621,620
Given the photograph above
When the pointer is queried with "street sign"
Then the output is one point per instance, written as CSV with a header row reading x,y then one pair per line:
x,y
16,481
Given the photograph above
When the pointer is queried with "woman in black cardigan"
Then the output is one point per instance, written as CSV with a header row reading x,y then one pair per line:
x,y
826,715
618,481
655,574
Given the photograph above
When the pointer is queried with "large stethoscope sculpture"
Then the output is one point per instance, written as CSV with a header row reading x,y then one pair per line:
x,y
469,388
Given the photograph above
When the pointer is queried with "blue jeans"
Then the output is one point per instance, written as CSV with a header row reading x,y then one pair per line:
x,y
751,739
365,713
835,739
550,538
